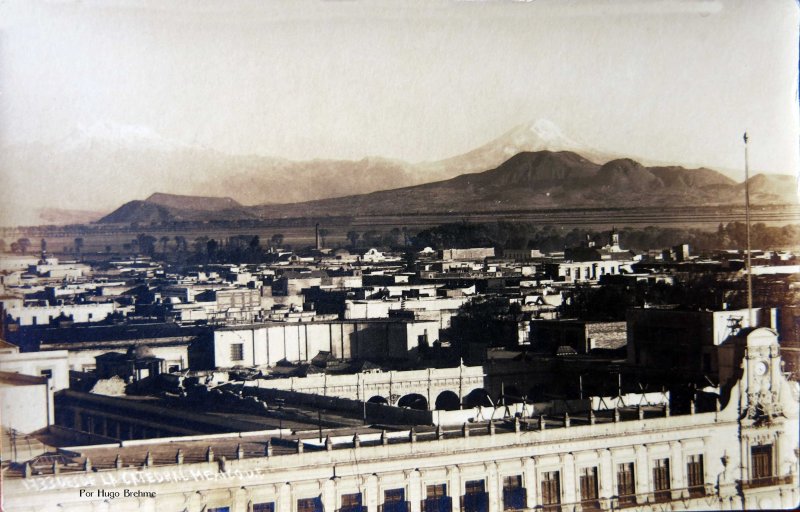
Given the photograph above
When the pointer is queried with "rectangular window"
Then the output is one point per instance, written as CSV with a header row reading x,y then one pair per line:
x,y
661,479
514,495
588,481
394,500
475,497
695,475
551,490
394,495
512,482
218,509
264,507
237,352
474,487
436,491
47,373
351,502
626,483
762,462
436,499
309,505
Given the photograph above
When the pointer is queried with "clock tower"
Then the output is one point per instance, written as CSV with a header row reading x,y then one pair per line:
x,y
763,378
768,411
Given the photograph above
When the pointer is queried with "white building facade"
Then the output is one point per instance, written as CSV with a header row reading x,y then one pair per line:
x,y
743,456
298,342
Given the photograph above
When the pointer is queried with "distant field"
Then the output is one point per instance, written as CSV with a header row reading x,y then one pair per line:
x,y
600,218
300,232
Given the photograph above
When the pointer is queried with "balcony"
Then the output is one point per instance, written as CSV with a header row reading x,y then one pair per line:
x,y
443,504
591,505
395,506
475,502
515,499
628,500
697,491
637,500
662,496
766,481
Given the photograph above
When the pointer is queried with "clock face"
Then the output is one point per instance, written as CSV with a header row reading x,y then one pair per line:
x,y
761,368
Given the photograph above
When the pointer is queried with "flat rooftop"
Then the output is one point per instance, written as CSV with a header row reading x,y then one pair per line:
x,y
19,379
284,442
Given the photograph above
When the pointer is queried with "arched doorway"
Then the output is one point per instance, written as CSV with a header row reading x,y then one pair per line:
x,y
447,401
414,401
478,397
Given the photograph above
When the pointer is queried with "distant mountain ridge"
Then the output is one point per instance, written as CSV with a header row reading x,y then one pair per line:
x,y
528,180
184,202
131,162
160,208
535,180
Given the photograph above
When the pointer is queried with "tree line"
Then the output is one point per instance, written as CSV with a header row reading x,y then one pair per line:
x,y
501,235
524,235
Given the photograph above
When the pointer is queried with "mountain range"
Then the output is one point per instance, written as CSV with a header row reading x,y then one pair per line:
x,y
533,165
527,180
126,162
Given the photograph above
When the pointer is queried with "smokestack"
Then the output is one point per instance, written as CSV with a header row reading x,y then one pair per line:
x,y
316,236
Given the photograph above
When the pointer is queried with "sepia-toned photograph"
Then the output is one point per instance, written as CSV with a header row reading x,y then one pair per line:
x,y
399,256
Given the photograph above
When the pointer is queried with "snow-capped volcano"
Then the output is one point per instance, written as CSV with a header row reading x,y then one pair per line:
x,y
538,135
98,166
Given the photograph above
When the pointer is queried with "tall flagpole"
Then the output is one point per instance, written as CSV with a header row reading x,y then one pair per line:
x,y
748,264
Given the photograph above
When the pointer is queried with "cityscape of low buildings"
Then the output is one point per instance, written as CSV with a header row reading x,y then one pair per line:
x,y
399,256
468,379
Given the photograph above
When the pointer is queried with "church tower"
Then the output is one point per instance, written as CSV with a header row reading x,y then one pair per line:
x,y
614,242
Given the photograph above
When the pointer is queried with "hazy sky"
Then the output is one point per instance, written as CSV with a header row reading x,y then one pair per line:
x,y
674,81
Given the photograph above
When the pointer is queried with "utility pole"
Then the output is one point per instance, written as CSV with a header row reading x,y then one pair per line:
x,y
748,263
